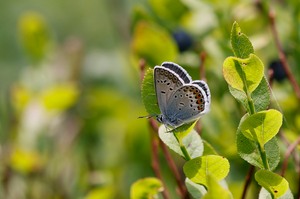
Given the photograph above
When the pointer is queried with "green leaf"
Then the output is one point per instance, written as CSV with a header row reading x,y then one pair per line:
x,y
196,190
240,43
148,94
264,194
192,142
208,149
35,35
272,182
243,74
260,96
215,189
169,10
153,43
262,126
146,188
248,150
197,169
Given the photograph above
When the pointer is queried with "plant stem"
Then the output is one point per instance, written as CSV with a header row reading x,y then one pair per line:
x,y
172,165
287,154
186,154
263,156
282,56
248,181
155,163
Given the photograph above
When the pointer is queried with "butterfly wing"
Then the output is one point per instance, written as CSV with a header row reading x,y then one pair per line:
x,y
187,104
166,83
205,88
179,71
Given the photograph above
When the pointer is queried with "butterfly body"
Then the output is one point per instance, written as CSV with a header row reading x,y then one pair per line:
x,y
180,99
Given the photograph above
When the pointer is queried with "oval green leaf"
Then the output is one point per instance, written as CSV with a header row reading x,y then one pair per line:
x,y
196,190
248,150
197,169
153,43
260,96
146,188
240,43
264,194
272,182
215,190
148,94
191,141
243,74
262,126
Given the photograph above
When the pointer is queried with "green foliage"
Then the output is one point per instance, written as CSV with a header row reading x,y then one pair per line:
x,y
152,43
163,11
261,126
197,169
249,151
148,93
192,142
243,74
260,96
241,45
196,190
35,35
256,141
264,194
146,188
215,189
274,183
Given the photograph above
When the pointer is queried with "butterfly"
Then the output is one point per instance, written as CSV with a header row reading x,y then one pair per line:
x,y
180,99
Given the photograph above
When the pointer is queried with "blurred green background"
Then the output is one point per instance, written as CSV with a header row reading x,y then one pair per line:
x,y
70,88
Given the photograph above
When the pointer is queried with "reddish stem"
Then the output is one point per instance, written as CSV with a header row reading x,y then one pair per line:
x,y
287,154
248,181
282,56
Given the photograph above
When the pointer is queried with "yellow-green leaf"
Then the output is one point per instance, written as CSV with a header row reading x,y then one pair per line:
x,y
262,126
272,182
145,188
243,74
197,169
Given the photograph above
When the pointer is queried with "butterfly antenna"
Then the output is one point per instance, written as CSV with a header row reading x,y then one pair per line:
x,y
146,116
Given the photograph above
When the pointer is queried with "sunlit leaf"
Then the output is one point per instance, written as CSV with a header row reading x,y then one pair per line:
x,y
26,161
249,151
197,169
146,188
272,182
215,190
60,97
191,141
243,74
262,126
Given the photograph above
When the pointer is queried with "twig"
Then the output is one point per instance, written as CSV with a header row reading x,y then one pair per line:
x,y
155,163
287,154
201,67
171,163
282,56
248,181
